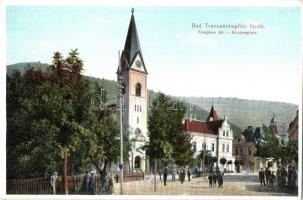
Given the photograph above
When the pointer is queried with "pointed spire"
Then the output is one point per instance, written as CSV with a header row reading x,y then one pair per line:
x,y
213,116
132,44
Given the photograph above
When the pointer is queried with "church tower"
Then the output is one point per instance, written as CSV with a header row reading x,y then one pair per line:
x,y
134,74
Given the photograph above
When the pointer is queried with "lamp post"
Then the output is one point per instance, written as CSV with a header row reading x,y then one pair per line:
x,y
120,85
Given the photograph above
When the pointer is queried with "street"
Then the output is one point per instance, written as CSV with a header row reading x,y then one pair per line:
x,y
234,184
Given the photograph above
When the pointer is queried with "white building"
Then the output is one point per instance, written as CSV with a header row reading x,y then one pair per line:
x,y
214,135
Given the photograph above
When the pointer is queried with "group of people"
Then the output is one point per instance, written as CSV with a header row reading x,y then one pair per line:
x,y
289,175
181,172
88,185
214,178
286,178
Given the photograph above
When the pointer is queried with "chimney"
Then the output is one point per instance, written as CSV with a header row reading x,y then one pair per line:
x,y
190,117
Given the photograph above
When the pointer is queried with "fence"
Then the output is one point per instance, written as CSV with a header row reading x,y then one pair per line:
x,y
42,185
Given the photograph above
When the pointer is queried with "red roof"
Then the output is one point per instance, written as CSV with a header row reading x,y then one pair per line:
x,y
210,127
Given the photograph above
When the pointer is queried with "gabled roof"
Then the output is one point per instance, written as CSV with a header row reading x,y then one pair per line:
x,y
208,127
212,114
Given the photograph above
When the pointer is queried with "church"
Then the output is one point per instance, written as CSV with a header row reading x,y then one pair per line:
x,y
133,72
215,134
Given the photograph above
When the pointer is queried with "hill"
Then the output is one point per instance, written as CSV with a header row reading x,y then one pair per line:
x,y
240,112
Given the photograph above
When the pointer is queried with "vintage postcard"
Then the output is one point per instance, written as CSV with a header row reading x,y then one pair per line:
x,y
104,100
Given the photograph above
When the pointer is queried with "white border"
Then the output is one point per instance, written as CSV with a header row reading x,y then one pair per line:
x,y
214,3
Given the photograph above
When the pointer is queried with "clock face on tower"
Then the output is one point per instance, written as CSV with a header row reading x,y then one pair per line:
x,y
138,63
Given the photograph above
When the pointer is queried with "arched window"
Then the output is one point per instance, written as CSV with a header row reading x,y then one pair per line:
x,y
138,89
137,162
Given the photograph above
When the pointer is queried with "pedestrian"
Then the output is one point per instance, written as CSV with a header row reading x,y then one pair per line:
x,y
220,180
210,179
110,185
267,175
174,171
261,177
283,177
279,176
92,182
215,179
182,174
289,171
84,188
165,172
188,173
293,178
104,187
271,179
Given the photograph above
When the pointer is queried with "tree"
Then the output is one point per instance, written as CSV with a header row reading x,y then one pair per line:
x,y
223,161
291,152
166,139
269,145
49,112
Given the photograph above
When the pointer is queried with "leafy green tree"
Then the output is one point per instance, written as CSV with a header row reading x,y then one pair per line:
x,y
166,139
291,151
269,145
50,111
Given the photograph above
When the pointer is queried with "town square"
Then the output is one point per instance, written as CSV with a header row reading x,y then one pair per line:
x,y
85,118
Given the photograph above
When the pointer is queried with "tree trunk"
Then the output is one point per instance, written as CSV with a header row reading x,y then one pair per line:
x,y
155,175
96,165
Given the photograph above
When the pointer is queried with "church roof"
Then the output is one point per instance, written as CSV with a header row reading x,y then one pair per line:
x,y
132,44
213,114
208,127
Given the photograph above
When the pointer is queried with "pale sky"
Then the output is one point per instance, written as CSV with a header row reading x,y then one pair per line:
x,y
179,61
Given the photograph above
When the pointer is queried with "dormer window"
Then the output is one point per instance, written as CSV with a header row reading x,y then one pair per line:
x,y
138,89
